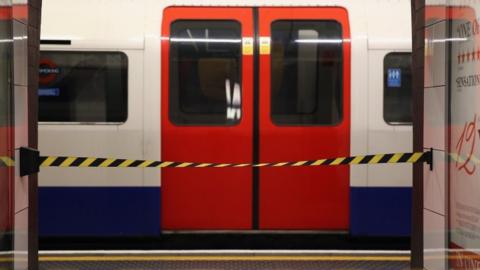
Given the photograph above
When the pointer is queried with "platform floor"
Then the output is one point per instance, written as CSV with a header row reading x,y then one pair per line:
x,y
231,260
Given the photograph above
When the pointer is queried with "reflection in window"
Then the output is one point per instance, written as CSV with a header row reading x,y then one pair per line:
x,y
6,42
397,88
6,141
82,86
205,76
306,72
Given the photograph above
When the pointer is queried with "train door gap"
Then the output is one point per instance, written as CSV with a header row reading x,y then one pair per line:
x,y
256,128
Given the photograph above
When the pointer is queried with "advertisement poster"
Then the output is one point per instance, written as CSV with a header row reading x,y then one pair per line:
x,y
464,167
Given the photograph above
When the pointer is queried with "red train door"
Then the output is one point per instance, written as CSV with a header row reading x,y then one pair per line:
x,y
225,101
206,116
304,114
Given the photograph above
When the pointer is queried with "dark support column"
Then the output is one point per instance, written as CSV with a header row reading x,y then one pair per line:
x,y
418,44
34,14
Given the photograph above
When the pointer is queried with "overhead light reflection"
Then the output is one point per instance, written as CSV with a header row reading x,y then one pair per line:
x,y
20,38
440,40
206,40
324,41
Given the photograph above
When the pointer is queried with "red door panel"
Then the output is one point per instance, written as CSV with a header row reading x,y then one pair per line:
x,y
206,198
304,197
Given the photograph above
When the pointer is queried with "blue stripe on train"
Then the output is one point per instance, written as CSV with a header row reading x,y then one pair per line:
x,y
135,211
380,211
99,211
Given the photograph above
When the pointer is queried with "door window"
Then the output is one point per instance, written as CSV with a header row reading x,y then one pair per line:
x,y
205,60
306,72
397,88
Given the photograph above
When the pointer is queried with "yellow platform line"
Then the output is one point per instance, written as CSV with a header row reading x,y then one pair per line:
x,y
221,258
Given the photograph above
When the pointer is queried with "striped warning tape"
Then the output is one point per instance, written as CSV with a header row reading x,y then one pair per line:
x,y
65,161
463,159
110,162
6,161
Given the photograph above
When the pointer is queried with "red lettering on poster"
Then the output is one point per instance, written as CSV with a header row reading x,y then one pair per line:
x,y
467,140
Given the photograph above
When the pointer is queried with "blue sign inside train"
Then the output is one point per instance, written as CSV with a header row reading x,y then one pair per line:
x,y
394,78
49,92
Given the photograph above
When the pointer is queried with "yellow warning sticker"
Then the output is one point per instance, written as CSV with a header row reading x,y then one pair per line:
x,y
247,45
264,45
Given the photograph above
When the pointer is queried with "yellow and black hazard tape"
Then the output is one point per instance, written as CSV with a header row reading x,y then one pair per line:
x,y
63,161
6,161
84,162
465,159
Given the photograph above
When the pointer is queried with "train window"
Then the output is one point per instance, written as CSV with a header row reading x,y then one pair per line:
x,y
6,49
83,87
205,80
306,72
397,88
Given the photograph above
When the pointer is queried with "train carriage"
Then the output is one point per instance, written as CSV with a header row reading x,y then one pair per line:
x,y
219,82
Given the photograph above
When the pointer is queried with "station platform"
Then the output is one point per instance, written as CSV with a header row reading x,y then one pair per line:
x,y
225,259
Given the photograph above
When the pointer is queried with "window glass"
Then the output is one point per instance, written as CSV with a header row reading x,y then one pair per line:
x,y
83,86
205,81
306,72
7,130
397,88
6,42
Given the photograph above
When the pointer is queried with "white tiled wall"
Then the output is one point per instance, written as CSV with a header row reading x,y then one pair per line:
x,y
434,118
21,240
435,11
434,185
435,54
19,51
434,239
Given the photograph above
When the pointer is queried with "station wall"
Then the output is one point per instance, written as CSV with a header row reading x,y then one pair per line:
x,y
451,205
